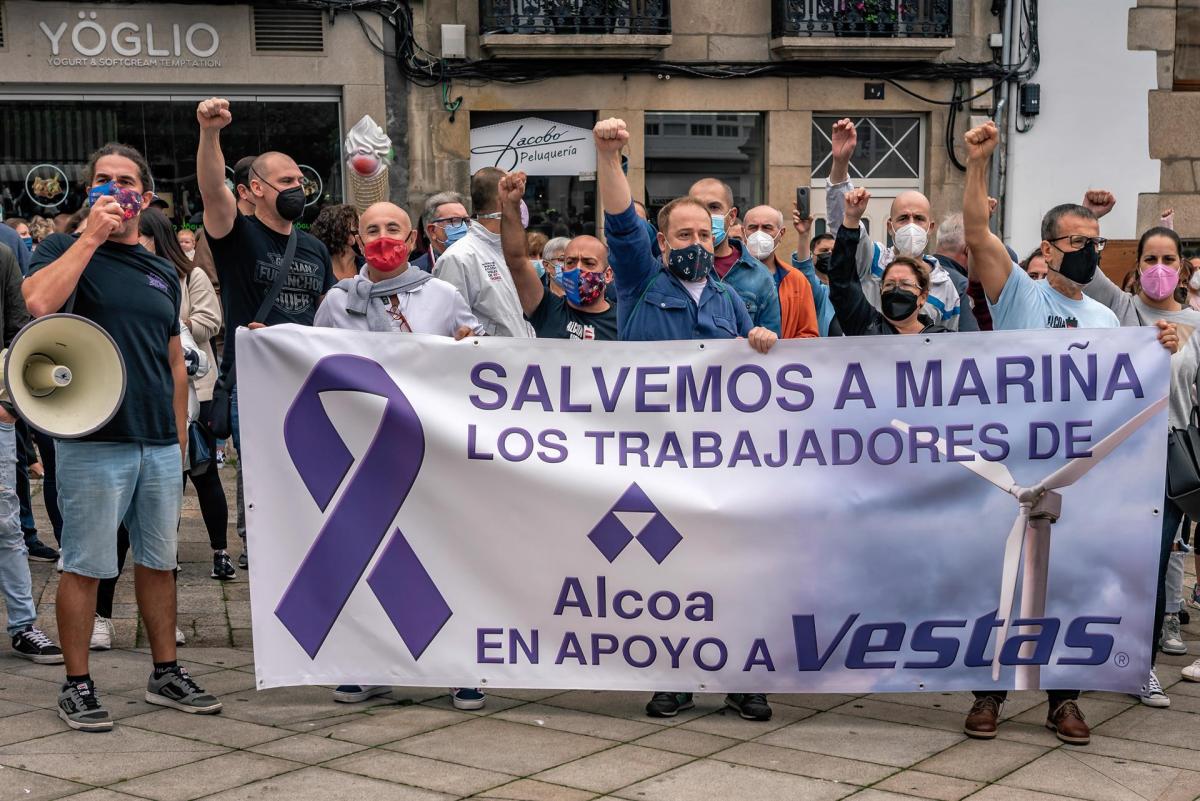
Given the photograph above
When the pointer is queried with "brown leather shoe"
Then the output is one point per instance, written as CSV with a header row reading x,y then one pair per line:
x,y
1067,722
982,719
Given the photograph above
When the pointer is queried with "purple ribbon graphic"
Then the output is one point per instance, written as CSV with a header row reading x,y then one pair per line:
x,y
358,523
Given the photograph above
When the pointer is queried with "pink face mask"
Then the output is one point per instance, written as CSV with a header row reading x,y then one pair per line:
x,y
1159,281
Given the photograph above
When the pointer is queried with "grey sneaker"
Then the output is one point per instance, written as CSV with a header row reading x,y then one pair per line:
x,y
176,689
79,707
1171,641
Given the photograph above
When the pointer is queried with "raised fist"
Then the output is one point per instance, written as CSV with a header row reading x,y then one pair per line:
x,y
1099,201
213,113
611,135
512,188
845,139
856,207
982,141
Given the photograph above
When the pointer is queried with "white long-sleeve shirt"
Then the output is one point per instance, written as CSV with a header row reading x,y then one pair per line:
x,y
475,266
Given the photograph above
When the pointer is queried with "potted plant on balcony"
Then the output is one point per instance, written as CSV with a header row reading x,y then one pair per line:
x,y
869,17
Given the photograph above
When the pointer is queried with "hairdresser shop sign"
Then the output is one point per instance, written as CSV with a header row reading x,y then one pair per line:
x,y
535,146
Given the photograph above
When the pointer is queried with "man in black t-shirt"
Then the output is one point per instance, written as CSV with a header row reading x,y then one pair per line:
x,y
129,469
583,312
248,249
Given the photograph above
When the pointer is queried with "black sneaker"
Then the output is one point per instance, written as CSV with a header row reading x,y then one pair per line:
x,y
243,559
668,705
222,567
79,707
41,552
751,706
32,643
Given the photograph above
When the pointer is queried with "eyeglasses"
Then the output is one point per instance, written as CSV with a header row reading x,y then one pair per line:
x,y
911,286
453,222
1079,241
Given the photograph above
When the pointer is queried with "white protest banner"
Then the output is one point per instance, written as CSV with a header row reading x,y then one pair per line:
x,y
534,145
840,515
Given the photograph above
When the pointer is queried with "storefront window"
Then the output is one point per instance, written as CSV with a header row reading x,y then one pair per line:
x,y
889,147
45,144
559,204
682,147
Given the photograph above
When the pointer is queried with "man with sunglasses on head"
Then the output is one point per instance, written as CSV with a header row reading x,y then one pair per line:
x,y
1071,245
476,268
248,248
446,222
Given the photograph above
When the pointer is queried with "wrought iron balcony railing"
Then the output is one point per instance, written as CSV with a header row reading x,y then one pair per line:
x,y
921,19
643,17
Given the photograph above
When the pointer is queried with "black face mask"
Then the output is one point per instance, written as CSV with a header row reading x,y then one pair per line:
x,y
290,203
692,263
1080,265
822,261
898,304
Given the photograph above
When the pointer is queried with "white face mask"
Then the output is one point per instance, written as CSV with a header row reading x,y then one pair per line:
x,y
191,254
760,244
1194,281
910,240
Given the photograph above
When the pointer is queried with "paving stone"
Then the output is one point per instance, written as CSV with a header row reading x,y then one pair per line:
x,y
1097,778
420,772
222,683
216,729
573,720
1163,726
103,795
501,746
326,785
1172,756
307,748
841,735
123,753
394,724
207,776
707,779
30,725
819,701
28,690
530,790
495,703
1000,792
524,695
283,705
945,719
805,763
323,724
628,705
221,657
1096,710
929,785
610,770
872,794
682,741
20,784
981,760
726,722
954,702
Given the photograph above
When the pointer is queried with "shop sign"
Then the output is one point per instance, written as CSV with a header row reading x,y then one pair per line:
x,y
535,146
91,41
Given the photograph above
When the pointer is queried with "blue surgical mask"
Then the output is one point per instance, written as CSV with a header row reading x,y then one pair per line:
x,y
718,229
28,240
540,267
455,233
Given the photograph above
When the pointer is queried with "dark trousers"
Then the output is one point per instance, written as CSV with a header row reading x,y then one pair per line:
x,y
25,457
104,593
211,495
1172,517
45,446
1055,697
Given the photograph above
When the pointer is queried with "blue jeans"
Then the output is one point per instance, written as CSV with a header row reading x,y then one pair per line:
x,y
15,581
101,485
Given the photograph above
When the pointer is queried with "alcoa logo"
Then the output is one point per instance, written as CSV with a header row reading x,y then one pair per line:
x,y
634,512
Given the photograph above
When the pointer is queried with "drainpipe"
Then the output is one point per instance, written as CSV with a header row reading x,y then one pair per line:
x,y
997,181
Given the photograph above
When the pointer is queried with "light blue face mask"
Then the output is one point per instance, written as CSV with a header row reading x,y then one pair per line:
x,y
540,267
455,233
718,229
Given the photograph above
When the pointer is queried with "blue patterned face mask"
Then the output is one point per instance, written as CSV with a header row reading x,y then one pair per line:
x,y
692,263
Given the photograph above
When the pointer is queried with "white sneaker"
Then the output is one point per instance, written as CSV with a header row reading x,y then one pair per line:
x,y
102,634
1172,639
1152,693
179,638
1192,671
58,567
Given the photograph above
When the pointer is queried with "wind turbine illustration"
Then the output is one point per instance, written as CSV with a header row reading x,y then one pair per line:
x,y
1028,543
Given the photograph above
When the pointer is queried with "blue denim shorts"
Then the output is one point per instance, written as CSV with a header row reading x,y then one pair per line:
x,y
101,485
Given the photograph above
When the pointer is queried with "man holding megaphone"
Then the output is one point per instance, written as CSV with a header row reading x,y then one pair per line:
x,y
127,467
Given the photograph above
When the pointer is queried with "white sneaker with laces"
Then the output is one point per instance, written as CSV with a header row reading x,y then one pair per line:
x,y
1192,671
102,634
1152,693
1171,641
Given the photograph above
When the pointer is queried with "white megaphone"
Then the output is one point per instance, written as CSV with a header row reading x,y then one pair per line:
x,y
64,375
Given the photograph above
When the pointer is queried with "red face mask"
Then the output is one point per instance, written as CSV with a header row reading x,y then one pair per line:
x,y
387,254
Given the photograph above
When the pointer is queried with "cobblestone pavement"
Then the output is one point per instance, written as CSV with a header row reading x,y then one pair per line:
x,y
296,744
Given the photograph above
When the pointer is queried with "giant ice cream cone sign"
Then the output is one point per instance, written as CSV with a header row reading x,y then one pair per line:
x,y
368,153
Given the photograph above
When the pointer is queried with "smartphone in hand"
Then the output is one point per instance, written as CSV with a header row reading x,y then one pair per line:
x,y
802,202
